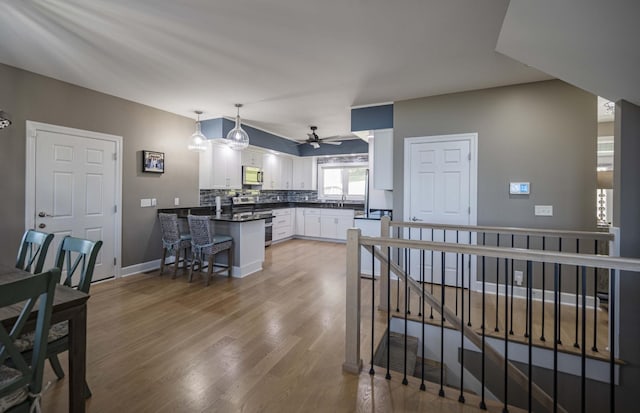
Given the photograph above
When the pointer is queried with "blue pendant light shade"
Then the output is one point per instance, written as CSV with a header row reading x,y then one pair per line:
x,y
237,138
5,120
198,142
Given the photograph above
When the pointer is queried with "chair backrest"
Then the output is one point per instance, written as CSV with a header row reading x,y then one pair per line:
x,y
33,248
200,229
169,228
23,294
81,254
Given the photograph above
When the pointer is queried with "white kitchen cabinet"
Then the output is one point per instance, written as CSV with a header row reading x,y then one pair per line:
x,y
271,169
368,228
335,222
277,171
283,223
304,173
329,227
299,221
252,157
342,225
383,159
286,171
312,222
220,168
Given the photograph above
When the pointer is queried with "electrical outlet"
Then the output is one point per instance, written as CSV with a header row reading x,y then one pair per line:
x,y
154,202
176,201
517,277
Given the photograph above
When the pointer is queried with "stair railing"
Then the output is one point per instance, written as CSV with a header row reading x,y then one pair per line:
x,y
382,248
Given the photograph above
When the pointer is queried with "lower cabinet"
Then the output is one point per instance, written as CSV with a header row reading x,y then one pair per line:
x,y
283,223
327,223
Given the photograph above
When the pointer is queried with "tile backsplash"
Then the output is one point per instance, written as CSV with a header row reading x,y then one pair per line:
x,y
208,196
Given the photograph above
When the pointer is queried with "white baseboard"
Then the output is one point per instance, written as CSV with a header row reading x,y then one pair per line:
x,y
140,268
521,292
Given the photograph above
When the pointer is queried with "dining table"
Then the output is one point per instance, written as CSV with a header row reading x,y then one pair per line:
x,y
69,304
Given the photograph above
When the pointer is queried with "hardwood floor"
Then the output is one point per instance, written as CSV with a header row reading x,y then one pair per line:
x,y
272,342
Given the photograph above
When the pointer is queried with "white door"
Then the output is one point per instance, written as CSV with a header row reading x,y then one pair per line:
x,y
76,192
438,190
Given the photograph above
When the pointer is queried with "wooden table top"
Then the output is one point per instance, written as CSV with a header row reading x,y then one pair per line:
x,y
65,297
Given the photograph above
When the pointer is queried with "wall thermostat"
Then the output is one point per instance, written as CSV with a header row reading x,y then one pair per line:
x,y
519,188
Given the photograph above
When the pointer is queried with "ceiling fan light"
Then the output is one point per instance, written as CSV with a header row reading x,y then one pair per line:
x,y
237,138
198,142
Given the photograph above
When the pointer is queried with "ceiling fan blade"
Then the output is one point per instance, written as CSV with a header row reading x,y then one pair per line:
x,y
333,143
315,145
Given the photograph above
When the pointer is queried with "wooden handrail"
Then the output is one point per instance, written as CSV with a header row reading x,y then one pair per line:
x,y
600,236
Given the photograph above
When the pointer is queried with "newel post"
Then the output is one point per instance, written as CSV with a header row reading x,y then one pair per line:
x,y
352,361
385,224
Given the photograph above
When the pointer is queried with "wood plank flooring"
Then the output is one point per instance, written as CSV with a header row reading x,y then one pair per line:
x,y
271,342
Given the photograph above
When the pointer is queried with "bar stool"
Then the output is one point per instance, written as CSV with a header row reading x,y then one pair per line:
x,y
173,242
205,245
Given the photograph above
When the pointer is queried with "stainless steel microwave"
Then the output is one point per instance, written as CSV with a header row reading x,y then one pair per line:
x,y
252,175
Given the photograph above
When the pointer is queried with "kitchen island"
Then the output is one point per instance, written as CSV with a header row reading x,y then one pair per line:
x,y
247,232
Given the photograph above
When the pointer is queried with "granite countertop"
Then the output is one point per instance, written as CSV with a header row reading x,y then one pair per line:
x,y
225,215
311,204
375,215
239,218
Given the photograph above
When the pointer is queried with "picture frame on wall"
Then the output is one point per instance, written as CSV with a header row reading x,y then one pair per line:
x,y
153,162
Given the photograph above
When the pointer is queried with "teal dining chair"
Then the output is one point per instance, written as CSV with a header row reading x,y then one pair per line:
x,y
76,256
33,251
20,376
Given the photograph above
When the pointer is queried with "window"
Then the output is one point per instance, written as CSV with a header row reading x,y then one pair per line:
x,y
336,180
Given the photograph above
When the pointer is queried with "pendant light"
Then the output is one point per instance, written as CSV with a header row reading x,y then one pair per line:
x,y
5,120
237,138
198,141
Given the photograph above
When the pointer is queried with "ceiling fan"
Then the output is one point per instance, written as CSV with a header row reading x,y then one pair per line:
x,y
315,141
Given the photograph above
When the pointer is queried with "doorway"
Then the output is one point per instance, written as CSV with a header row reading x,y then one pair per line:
x,y
440,187
74,187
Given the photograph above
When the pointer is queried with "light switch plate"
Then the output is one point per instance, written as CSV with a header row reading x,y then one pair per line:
x,y
176,201
543,210
145,203
154,202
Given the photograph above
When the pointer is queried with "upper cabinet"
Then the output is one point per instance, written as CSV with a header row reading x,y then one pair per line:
x,y
304,173
382,159
252,157
277,171
220,168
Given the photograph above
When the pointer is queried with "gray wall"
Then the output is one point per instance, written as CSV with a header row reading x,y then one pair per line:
x,y
27,96
543,133
626,204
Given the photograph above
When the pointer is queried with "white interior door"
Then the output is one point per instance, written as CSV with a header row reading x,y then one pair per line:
x,y
76,192
439,183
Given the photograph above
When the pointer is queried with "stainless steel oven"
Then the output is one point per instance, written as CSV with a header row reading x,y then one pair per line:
x,y
268,230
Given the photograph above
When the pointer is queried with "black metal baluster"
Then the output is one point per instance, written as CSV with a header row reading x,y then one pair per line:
x,y
388,375
441,392
469,290
583,361
612,340
595,302
575,342
529,316
398,278
406,325
507,294
496,329
483,404
431,311
408,271
544,267
527,325
556,333
461,397
373,311
505,409
422,385
559,309
456,286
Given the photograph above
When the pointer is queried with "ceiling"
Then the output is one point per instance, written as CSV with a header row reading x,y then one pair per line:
x,y
292,63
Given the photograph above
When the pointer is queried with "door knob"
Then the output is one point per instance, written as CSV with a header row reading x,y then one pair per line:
x,y
41,225
415,219
43,214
